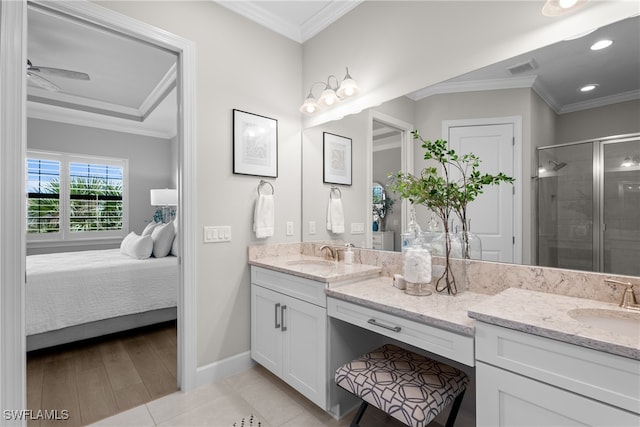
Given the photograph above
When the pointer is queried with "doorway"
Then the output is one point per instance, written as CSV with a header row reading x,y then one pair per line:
x,y
390,145
494,217
12,128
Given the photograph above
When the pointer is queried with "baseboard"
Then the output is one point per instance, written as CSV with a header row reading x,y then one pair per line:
x,y
225,368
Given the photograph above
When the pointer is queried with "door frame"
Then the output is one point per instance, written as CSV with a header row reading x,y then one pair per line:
x,y
13,54
406,165
516,122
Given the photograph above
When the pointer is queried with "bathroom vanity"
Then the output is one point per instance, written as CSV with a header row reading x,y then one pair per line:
x,y
534,355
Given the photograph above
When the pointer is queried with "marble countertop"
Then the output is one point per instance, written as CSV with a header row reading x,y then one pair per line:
x,y
315,268
439,310
547,315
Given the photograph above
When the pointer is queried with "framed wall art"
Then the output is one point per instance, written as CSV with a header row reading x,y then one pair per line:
x,y
336,159
255,144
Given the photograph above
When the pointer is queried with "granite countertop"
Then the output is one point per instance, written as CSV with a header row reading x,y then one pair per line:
x,y
439,310
315,268
547,315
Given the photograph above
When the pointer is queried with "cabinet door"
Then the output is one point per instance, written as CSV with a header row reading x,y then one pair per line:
x,y
511,400
266,334
305,355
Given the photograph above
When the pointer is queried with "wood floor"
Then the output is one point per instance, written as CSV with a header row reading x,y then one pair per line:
x,y
102,377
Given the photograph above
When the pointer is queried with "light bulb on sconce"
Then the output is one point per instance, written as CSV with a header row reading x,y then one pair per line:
x,y
627,162
333,93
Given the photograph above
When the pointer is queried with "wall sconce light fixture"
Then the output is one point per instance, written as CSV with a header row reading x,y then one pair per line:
x,y
331,95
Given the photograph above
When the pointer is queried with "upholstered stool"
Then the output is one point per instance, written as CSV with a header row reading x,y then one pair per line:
x,y
409,387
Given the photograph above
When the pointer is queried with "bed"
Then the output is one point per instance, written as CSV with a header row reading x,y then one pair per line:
x,y
78,295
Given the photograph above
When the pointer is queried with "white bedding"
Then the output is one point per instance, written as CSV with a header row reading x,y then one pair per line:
x,y
72,288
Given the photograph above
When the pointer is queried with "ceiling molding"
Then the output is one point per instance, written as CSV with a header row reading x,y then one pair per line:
x,y
37,110
389,145
301,32
327,16
473,86
254,12
84,104
600,102
159,93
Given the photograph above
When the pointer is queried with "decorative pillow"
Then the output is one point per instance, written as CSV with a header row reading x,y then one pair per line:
x,y
149,228
162,236
139,247
174,246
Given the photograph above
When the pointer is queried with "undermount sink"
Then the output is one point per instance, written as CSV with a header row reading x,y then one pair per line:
x,y
312,262
613,321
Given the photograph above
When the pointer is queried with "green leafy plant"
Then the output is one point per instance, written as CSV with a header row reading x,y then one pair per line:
x,y
446,190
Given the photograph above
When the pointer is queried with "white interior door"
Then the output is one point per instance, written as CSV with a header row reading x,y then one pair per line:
x,y
492,213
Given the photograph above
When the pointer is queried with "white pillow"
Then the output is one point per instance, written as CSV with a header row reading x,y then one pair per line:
x,y
162,236
174,246
139,247
149,228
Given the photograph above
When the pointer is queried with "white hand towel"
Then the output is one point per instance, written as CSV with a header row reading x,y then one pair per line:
x,y
335,216
263,217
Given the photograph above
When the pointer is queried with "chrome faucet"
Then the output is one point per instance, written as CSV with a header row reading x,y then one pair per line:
x,y
628,298
330,252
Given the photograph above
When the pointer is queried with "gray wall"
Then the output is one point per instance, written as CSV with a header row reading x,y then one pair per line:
x,y
150,160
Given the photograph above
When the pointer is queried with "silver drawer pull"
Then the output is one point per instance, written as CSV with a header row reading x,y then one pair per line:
x,y
391,328
283,328
277,306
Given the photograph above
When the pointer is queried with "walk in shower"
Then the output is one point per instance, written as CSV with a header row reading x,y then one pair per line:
x,y
589,205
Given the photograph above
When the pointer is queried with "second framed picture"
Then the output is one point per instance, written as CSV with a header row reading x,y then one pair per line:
x,y
255,144
336,159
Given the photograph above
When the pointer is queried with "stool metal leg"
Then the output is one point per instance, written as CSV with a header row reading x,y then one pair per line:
x,y
356,420
454,409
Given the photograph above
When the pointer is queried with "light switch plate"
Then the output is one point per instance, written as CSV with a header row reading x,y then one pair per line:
x,y
357,228
217,234
289,228
312,227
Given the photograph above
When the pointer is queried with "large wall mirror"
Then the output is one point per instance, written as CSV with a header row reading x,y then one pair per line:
x,y
536,95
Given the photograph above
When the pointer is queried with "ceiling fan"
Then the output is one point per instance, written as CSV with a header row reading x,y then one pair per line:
x,y
38,80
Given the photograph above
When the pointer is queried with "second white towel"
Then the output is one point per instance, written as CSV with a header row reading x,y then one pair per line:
x,y
264,216
335,216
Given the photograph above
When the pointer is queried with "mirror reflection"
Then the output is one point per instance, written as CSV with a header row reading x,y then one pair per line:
x,y
536,97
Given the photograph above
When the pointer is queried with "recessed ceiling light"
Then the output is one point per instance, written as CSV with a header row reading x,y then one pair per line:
x,y
589,88
601,44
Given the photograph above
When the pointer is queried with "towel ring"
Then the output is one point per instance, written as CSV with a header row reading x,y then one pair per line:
x,y
262,184
334,188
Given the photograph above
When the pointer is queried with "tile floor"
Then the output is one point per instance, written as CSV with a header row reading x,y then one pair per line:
x,y
254,392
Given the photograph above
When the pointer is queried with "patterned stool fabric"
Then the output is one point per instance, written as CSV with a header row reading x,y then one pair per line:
x,y
409,387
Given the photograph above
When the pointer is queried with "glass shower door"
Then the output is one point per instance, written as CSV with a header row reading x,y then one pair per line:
x,y
620,208
566,207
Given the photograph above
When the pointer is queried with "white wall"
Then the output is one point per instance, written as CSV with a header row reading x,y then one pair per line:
x,y
616,119
150,160
315,194
242,65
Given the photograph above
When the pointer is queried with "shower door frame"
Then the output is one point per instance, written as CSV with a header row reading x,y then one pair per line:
x,y
598,229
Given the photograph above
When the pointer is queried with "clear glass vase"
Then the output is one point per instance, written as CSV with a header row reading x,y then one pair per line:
x,y
471,245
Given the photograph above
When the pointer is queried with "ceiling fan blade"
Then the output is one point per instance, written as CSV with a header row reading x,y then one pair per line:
x,y
59,72
41,82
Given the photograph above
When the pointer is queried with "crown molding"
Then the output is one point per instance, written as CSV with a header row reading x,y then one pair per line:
x,y
600,102
473,86
327,16
37,110
332,11
254,12
160,92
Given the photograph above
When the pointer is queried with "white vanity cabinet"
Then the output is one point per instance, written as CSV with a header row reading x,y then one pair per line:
x,y
289,330
524,379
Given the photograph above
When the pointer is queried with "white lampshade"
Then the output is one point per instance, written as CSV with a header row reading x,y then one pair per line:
x,y
164,197
310,105
328,97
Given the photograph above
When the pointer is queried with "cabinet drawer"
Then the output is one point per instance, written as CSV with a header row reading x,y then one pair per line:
x,y
505,399
605,377
297,287
376,238
435,340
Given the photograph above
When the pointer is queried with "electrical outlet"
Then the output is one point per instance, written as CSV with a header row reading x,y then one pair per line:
x,y
312,227
289,228
217,234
